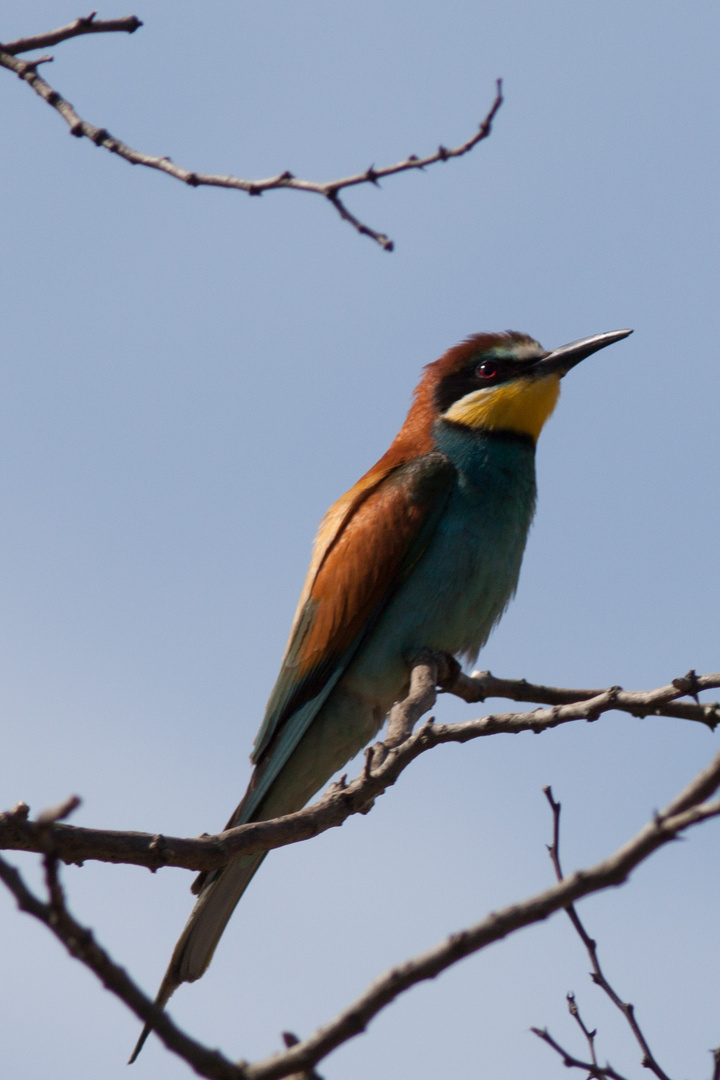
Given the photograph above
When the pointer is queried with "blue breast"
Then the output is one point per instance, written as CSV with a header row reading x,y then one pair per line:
x,y
462,584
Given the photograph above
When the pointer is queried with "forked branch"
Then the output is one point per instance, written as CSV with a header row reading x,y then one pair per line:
x,y
328,189
704,785
648,1059
690,808
385,763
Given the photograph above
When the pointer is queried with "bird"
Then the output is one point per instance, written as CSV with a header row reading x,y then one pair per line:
x,y
423,553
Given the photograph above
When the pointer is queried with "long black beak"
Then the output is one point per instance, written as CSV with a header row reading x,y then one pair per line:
x,y
567,356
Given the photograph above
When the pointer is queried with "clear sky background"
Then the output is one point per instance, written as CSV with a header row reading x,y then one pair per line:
x,y
189,379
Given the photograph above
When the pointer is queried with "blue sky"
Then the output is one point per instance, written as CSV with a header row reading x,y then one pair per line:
x,y
189,379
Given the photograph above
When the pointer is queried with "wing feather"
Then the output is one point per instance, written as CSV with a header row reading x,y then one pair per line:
x,y
367,544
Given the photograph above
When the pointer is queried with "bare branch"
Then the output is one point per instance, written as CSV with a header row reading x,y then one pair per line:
x,y
705,782
383,767
86,24
594,1071
482,685
421,697
80,943
308,1074
328,189
302,1057
610,872
589,1035
54,813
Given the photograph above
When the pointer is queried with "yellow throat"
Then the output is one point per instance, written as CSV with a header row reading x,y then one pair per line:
x,y
522,405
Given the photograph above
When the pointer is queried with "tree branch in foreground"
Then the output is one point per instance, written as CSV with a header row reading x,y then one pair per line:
x,y
329,189
80,943
384,765
648,1059
689,808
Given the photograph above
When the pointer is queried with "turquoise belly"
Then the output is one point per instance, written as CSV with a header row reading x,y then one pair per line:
x,y
463,583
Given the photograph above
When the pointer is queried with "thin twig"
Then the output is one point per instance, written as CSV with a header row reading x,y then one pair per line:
x,y
612,871
52,814
574,1011
85,24
328,189
594,1071
648,1060
382,769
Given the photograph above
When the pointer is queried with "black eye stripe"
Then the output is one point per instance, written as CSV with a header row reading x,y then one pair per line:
x,y
473,377
484,371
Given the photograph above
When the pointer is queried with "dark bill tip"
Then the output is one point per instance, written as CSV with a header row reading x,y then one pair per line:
x,y
567,356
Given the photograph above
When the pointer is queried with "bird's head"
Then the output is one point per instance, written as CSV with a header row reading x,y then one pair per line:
x,y
491,382
504,382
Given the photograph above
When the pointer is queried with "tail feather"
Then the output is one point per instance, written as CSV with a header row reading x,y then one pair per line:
x,y
307,761
194,951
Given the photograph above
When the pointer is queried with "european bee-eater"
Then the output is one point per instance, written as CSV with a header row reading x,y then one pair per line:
x,y
423,552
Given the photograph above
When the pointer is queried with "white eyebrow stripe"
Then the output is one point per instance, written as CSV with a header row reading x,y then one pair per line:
x,y
518,350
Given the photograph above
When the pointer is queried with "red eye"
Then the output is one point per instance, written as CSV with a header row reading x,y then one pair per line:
x,y
487,370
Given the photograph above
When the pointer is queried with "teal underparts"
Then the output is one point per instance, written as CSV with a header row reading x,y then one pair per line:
x,y
469,571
